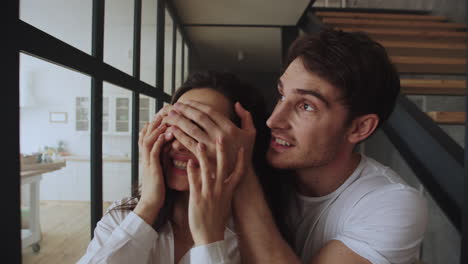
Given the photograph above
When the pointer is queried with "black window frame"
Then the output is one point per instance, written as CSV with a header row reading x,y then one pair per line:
x,y
23,37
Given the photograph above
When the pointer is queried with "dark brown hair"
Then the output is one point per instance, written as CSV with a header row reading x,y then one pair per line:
x,y
234,90
355,64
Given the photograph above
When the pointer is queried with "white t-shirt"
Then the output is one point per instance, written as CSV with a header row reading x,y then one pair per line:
x,y
122,237
374,213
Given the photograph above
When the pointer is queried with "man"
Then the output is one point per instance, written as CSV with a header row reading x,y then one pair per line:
x,y
342,207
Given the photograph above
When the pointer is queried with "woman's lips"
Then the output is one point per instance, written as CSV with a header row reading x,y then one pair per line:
x,y
179,163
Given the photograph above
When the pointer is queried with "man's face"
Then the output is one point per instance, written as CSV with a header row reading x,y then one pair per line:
x,y
308,123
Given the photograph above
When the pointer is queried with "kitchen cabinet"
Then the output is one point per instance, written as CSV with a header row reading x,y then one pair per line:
x,y
117,118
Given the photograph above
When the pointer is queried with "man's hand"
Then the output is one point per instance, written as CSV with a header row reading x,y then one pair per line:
x,y
193,122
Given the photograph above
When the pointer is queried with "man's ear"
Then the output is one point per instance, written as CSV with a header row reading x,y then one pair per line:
x,y
362,127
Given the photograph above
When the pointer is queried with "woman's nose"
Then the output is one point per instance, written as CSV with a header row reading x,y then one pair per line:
x,y
176,145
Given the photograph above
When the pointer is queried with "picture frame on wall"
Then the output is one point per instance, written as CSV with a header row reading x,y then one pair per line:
x,y
58,117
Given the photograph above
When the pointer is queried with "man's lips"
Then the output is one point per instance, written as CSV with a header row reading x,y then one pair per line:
x,y
280,143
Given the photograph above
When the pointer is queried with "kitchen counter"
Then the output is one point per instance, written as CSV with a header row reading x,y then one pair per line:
x,y
104,158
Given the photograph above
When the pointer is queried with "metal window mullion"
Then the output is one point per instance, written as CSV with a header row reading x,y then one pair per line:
x,y
37,43
182,75
188,60
11,190
136,95
464,241
174,56
171,9
160,21
96,115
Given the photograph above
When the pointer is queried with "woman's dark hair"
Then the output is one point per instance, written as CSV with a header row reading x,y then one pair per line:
x,y
234,90
355,64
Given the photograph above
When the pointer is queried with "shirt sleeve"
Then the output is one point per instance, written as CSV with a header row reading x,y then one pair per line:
x,y
387,226
119,239
220,252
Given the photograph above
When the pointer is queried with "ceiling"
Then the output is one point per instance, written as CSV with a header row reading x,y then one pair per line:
x,y
238,35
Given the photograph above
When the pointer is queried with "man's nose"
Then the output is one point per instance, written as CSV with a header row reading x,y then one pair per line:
x,y
279,119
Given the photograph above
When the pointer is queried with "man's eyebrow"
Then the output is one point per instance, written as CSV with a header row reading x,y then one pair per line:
x,y
315,94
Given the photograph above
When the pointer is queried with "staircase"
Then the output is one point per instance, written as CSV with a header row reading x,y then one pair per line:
x,y
429,52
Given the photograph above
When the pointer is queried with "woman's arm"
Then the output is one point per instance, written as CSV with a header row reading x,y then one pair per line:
x,y
128,238
119,238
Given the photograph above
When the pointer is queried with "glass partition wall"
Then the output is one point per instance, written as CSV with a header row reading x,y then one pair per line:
x,y
89,78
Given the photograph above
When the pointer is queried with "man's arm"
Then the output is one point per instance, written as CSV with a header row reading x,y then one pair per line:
x,y
259,238
336,252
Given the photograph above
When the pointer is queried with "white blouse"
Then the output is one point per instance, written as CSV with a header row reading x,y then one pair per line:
x,y
121,236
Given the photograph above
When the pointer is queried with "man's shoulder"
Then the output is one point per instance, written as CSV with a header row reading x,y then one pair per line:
x,y
377,184
372,169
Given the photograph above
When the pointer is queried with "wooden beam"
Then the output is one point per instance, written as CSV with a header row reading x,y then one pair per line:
x,y
396,24
433,87
449,118
359,15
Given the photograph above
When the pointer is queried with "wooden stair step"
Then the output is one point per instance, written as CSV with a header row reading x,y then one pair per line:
x,y
452,118
428,25
409,34
433,65
433,87
431,49
360,15
422,45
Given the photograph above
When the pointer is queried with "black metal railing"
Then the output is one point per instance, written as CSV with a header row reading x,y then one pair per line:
x,y
435,158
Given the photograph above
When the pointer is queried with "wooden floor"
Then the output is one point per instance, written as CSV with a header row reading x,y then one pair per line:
x,y
65,229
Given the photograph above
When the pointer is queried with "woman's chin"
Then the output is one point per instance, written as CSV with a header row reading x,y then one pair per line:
x,y
178,184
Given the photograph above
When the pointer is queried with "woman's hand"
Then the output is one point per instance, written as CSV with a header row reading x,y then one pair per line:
x,y
151,142
193,122
211,191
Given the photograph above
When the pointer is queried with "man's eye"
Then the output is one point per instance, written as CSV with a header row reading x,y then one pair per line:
x,y
308,107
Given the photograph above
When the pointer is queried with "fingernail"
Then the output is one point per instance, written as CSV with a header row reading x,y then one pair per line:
x,y
168,135
172,112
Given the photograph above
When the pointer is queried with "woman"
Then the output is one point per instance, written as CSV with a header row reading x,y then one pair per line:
x,y
182,212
